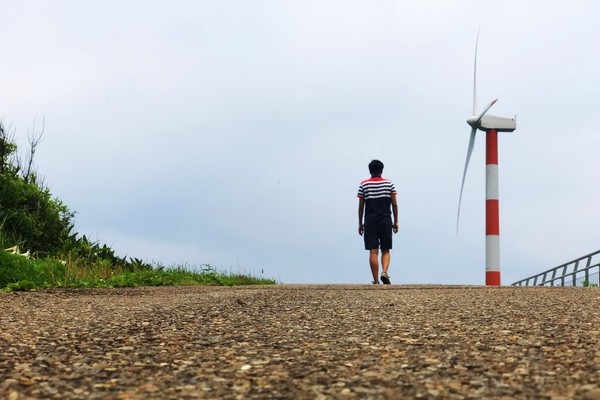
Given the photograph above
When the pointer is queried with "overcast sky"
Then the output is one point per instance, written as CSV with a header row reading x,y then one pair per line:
x,y
236,133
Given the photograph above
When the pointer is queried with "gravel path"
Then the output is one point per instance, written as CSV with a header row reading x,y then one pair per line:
x,y
301,342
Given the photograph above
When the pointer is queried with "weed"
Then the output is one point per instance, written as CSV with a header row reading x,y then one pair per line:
x,y
21,286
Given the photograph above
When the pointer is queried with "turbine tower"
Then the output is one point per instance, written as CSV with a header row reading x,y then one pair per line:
x,y
491,125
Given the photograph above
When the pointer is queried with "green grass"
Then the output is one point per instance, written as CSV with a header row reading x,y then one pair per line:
x,y
20,273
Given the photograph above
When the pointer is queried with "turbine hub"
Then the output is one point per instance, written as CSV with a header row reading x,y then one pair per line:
x,y
473,121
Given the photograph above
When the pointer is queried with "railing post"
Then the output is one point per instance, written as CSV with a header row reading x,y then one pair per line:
x,y
587,269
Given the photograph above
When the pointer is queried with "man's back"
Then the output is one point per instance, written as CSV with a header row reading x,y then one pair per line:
x,y
377,193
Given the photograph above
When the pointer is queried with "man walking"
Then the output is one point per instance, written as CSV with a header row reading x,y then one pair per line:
x,y
376,202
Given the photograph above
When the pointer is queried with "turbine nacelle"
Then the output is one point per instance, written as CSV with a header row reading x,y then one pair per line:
x,y
500,124
489,122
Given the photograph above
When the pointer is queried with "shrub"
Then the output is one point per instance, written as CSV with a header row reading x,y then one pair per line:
x,y
31,217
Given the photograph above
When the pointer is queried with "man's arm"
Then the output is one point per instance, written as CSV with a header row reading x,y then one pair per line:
x,y
361,210
395,211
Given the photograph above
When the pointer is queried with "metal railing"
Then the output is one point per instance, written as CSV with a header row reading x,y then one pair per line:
x,y
580,272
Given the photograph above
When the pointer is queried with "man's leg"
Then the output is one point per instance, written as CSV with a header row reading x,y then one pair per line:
x,y
385,260
386,245
374,263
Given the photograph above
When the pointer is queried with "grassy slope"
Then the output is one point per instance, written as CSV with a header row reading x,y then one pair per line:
x,y
20,273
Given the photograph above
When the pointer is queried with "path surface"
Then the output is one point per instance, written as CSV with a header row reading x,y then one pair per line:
x,y
301,342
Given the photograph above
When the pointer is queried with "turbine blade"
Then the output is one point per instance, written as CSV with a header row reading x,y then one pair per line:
x,y
486,109
475,74
462,186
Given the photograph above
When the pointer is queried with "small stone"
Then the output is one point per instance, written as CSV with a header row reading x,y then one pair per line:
x,y
521,371
149,388
593,394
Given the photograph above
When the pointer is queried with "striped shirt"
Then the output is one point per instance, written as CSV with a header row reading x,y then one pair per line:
x,y
377,193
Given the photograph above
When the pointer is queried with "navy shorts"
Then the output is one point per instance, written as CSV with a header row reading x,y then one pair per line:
x,y
378,237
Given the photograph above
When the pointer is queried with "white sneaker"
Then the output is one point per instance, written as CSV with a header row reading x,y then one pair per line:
x,y
385,278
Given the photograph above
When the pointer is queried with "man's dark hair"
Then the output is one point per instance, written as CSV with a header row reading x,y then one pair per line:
x,y
376,168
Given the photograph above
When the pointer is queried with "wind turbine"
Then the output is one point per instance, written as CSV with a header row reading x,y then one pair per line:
x,y
491,125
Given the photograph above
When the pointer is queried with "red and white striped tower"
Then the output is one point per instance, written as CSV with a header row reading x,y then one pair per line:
x,y
491,125
492,219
